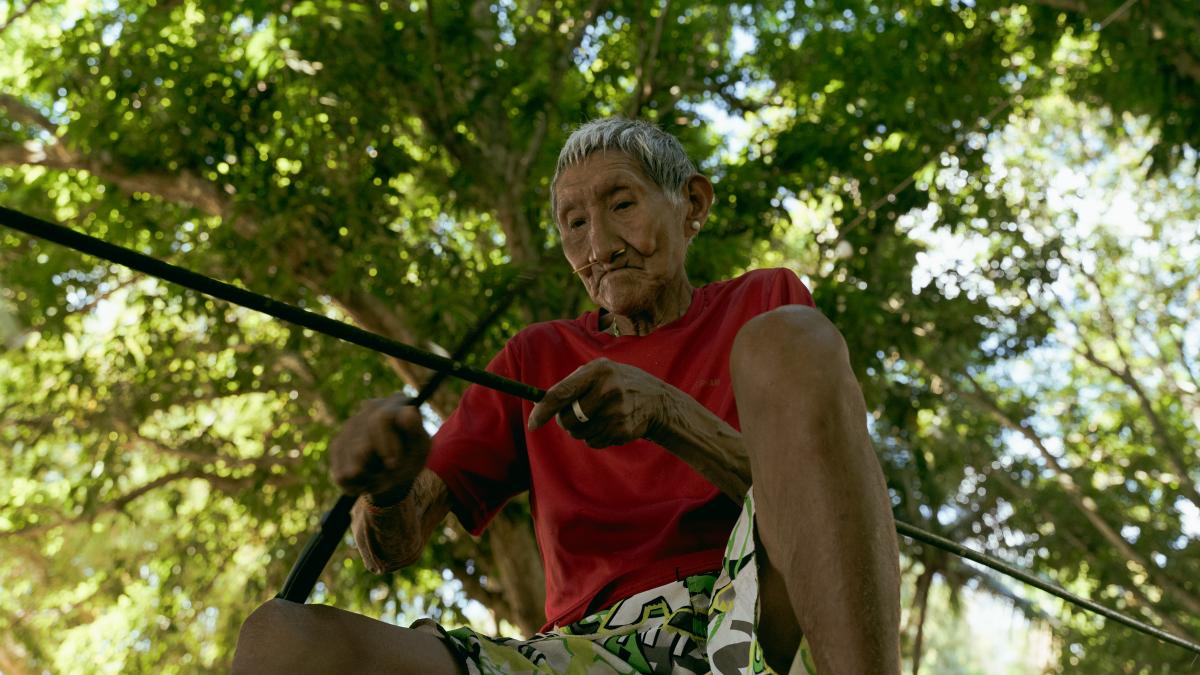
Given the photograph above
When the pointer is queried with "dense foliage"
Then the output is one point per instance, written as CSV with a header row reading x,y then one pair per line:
x,y
995,200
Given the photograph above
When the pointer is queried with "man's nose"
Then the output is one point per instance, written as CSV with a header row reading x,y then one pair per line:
x,y
605,240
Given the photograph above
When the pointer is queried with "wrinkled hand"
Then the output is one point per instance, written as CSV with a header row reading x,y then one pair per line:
x,y
382,448
622,403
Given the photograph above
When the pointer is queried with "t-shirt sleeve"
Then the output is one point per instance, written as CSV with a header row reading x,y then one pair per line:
x,y
786,288
480,450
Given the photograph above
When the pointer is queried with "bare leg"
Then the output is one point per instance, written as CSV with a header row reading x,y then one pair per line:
x,y
287,637
822,510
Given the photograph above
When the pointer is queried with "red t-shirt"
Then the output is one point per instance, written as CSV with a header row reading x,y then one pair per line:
x,y
620,520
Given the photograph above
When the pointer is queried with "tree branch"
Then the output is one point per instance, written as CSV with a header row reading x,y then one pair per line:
x,y
190,190
223,483
921,603
296,364
204,458
1084,504
183,188
1164,438
1137,595
18,14
21,111
116,504
370,312
645,69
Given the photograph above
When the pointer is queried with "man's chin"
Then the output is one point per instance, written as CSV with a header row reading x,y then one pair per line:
x,y
623,307
622,295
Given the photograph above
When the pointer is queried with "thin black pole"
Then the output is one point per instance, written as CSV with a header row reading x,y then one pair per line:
x,y
300,317
318,551
958,549
240,296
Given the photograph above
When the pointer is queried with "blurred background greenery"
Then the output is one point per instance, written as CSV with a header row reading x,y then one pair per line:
x,y
1024,314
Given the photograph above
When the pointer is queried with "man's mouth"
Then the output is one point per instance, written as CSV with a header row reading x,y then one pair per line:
x,y
605,273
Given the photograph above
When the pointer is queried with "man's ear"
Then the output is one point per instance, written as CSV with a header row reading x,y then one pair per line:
x,y
699,193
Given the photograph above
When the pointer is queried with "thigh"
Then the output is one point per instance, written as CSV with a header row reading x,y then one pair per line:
x,y
287,637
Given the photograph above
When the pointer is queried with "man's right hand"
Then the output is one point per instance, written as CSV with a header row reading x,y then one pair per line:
x,y
381,449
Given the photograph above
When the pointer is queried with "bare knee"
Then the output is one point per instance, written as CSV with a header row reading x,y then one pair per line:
x,y
795,390
266,618
792,341
287,637
273,640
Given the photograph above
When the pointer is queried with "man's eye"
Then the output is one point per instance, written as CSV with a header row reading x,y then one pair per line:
x,y
578,222
623,205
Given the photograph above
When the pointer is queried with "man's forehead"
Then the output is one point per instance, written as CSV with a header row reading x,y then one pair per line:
x,y
598,174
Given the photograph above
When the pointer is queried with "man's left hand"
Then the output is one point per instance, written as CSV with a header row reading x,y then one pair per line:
x,y
604,403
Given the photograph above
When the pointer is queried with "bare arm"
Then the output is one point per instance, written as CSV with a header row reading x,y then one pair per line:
x,y
392,537
706,442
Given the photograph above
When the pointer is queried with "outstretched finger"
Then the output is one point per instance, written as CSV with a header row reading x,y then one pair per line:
x,y
560,396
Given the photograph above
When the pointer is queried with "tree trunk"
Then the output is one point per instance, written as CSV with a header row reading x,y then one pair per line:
x,y
10,663
518,563
920,604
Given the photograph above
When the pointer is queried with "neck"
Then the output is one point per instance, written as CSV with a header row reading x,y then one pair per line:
x,y
669,305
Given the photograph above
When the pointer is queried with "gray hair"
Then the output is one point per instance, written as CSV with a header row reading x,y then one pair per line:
x,y
661,155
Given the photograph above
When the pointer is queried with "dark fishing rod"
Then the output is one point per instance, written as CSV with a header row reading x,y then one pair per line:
x,y
220,290
917,534
451,367
320,547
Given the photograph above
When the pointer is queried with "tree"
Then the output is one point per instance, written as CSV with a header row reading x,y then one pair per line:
x,y
1097,485
388,163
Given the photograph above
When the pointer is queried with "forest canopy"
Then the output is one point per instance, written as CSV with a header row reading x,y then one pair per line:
x,y
996,201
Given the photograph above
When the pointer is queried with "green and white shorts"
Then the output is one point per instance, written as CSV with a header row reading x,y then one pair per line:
x,y
706,623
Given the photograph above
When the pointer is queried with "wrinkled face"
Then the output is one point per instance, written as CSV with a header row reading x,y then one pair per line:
x,y
607,203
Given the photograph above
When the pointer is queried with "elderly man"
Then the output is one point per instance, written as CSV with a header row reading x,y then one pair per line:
x,y
703,487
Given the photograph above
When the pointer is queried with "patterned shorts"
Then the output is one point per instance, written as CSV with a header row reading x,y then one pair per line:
x,y
706,623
